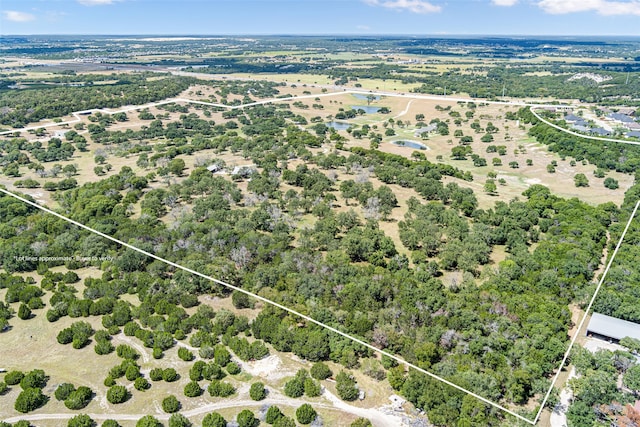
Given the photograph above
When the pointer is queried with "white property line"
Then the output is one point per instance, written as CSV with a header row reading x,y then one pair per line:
x,y
273,303
586,312
570,132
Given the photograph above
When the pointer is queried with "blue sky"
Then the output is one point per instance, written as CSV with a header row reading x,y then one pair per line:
x,y
411,17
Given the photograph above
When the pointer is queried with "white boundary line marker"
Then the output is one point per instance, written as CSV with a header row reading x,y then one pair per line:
x,y
586,312
258,297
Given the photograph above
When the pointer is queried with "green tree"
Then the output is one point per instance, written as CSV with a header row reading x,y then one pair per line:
x,y
273,413
13,377
148,421
257,391
294,388
192,389
170,375
580,180
79,398
170,404
141,384
320,371
24,312
490,186
179,420
246,419
611,183
176,166
81,420
214,420
34,379
117,394
284,422
346,386
361,422
30,400
305,414
631,379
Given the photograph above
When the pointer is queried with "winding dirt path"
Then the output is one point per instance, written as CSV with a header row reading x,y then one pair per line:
x,y
377,416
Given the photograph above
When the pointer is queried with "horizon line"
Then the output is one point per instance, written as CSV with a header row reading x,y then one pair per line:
x,y
432,35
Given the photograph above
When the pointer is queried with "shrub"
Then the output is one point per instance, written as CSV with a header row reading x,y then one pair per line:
x,y
192,389
117,394
196,373
157,353
361,422
103,347
220,389
284,422
312,388
34,379
257,391
179,420
65,336
294,388
233,368
13,377
320,371
24,312
305,414
148,421
156,374
170,375
185,354
214,420
110,423
213,372
611,183
141,384
79,398
241,300
29,400
109,381
3,388
130,328
81,420
273,413
246,419
170,404
346,386
132,372
221,355
127,352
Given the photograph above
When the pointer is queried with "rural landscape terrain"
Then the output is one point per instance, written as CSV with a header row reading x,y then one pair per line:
x,y
325,231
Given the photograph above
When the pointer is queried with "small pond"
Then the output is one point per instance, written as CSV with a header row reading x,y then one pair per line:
x,y
339,125
363,96
368,109
411,144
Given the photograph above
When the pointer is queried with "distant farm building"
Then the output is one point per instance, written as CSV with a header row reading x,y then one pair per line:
x,y
612,329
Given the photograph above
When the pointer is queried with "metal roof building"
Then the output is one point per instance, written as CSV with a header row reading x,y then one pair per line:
x,y
612,328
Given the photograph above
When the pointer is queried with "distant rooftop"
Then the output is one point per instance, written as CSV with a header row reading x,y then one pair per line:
x,y
612,327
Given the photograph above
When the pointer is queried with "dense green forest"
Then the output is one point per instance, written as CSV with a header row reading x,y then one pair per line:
x,y
293,232
30,105
500,332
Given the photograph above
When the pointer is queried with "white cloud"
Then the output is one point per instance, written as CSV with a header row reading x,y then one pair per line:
x,y
415,6
505,3
602,7
363,27
15,16
95,2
